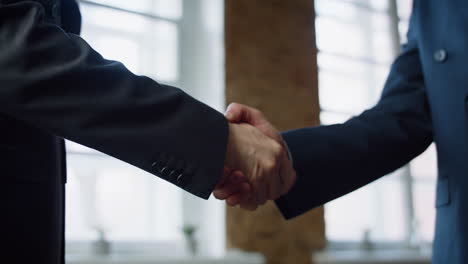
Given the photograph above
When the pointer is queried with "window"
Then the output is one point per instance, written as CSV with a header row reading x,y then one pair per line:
x,y
107,196
356,45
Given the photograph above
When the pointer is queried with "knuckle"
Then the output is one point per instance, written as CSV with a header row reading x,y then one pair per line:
x,y
257,112
269,165
234,104
277,149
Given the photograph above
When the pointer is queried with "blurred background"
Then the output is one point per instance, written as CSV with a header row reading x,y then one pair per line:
x,y
119,214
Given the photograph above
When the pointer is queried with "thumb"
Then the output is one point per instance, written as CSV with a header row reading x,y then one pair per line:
x,y
235,113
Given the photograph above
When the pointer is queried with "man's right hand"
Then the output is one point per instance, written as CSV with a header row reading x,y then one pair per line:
x,y
258,157
258,152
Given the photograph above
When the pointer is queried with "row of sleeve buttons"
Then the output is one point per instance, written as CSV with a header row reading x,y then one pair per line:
x,y
173,169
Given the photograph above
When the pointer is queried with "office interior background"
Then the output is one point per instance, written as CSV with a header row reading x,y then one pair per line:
x,y
181,43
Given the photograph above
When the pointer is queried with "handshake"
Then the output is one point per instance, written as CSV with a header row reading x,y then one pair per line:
x,y
257,166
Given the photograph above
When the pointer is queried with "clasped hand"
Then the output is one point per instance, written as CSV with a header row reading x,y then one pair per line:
x,y
257,167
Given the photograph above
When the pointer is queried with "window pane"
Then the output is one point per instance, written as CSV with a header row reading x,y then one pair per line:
x,y
365,5
358,41
139,5
168,8
425,166
424,200
164,8
124,202
404,8
165,49
348,65
78,214
350,93
77,148
146,46
342,93
377,5
376,208
403,27
355,52
123,49
347,12
330,118
110,19
375,75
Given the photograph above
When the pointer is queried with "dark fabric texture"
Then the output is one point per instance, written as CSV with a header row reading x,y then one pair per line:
x,y
53,85
424,101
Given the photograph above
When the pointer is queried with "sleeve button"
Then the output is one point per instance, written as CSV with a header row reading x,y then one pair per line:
x,y
180,177
163,170
440,55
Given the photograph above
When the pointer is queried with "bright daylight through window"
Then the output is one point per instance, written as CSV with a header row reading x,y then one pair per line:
x,y
351,78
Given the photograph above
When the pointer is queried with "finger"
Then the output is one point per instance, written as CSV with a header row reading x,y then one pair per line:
x,y
235,113
261,193
255,192
224,178
234,200
227,170
276,183
238,198
239,176
246,189
284,181
235,183
275,186
228,190
288,176
272,177
242,196
284,176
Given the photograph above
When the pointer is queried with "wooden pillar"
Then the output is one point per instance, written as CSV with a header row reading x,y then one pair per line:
x,y
271,64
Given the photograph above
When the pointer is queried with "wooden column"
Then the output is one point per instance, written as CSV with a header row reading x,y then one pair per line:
x,y
271,64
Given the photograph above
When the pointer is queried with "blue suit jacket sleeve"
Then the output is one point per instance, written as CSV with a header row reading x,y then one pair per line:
x,y
55,81
332,161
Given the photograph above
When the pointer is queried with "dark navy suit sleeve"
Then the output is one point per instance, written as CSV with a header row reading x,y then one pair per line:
x,y
332,161
57,82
